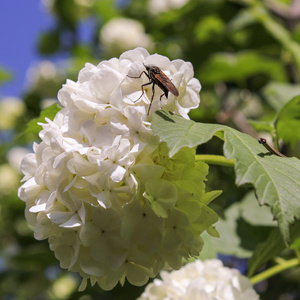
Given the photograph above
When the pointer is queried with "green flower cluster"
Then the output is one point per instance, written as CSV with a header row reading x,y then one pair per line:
x,y
170,209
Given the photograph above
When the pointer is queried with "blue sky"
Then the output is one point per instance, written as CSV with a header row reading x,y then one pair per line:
x,y
21,21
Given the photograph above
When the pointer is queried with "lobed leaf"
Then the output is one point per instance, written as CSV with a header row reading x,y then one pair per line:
x,y
275,179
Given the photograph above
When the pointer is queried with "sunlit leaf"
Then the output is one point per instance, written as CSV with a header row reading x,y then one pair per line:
x,y
296,244
262,125
288,120
275,179
209,28
237,67
4,75
278,94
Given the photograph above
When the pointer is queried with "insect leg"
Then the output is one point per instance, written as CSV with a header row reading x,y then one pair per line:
x,y
163,94
153,91
137,76
142,86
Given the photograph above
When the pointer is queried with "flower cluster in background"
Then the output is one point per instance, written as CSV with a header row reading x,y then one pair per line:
x,y
44,78
102,188
159,6
11,108
121,34
208,280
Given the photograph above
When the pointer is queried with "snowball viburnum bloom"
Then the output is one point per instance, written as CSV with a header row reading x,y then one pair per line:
x,y
11,109
159,6
120,34
102,188
208,280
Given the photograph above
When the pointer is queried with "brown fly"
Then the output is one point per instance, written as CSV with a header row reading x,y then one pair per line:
x,y
270,148
157,77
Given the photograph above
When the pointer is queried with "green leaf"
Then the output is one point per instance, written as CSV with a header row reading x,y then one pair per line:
x,y
275,29
278,94
49,112
237,67
267,126
287,120
4,75
244,225
210,196
255,215
208,250
49,42
230,241
241,20
296,244
273,245
106,9
209,28
275,179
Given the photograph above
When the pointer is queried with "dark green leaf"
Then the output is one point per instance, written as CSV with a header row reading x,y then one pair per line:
x,y
273,245
49,42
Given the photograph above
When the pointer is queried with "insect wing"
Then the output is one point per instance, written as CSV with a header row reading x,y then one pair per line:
x,y
165,82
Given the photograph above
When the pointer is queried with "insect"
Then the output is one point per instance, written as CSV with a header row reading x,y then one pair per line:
x,y
157,77
270,148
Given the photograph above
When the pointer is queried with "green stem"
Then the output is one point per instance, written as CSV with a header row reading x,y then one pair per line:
x,y
216,160
274,270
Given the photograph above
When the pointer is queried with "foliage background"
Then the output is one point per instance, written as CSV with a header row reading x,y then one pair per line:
x,y
245,53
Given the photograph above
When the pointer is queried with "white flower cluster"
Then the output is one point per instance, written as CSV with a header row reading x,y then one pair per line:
x,y
121,34
208,280
101,187
11,109
159,6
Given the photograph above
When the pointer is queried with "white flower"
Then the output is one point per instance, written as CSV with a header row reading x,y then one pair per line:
x,y
45,70
47,102
15,156
44,77
87,3
81,6
89,186
159,6
121,34
208,280
11,109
